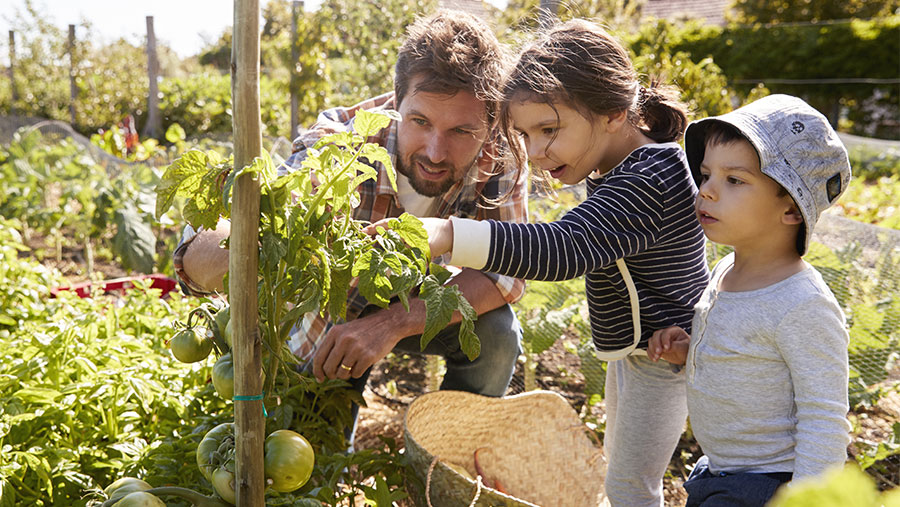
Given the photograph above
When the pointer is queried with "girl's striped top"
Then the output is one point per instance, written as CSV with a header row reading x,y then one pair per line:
x,y
643,211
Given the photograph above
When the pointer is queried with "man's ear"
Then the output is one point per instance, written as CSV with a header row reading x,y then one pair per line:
x,y
792,216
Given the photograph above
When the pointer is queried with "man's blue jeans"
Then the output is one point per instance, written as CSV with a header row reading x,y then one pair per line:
x,y
489,374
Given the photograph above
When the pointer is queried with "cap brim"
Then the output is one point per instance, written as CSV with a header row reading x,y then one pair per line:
x,y
695,148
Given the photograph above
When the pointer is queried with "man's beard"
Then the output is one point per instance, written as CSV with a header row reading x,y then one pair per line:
x,y
426,187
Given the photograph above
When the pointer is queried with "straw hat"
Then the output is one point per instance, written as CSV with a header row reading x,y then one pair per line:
x,y
533,444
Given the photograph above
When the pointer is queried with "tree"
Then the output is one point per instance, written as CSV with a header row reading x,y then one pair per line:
x,y
522,15
791,11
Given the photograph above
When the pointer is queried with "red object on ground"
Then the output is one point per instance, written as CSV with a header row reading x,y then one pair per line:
x,y
84,289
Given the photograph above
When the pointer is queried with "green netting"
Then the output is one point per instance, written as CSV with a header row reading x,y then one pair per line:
x,y
861,264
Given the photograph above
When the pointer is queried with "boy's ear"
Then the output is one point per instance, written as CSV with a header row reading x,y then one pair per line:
x,y
792,216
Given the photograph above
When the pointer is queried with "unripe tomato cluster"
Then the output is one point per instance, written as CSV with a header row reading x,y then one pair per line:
x,y
288,460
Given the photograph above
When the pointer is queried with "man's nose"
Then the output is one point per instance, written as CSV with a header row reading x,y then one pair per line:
x,y
436,148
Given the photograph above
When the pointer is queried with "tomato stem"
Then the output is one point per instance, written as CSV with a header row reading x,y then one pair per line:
x,y
197,499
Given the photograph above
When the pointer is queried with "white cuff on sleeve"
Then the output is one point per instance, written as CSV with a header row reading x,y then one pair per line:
x,y
471,242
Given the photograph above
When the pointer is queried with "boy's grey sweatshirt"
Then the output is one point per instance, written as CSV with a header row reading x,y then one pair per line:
x,y
767,376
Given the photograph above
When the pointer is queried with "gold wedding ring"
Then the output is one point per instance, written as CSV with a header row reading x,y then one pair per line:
x,y
344,366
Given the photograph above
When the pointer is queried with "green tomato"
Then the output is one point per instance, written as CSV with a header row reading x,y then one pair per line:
x,y
214,445
223,482
139,499
288,459
125,486
223,376
189,347
223,321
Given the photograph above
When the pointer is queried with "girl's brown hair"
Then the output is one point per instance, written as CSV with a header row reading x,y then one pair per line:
x,y
579,64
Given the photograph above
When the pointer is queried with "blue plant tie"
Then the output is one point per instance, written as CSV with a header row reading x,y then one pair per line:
x,y
252,398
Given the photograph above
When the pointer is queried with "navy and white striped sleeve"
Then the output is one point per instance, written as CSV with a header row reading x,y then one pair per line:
x,y
617,220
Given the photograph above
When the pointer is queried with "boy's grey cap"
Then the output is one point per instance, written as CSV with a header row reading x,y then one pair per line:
x,y
796,146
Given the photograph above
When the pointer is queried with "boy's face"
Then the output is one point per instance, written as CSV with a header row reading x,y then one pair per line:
x,y
737,204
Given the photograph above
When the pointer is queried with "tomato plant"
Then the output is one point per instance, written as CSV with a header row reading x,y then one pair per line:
x,y
215,449
189,346
140,499
223,482
223,376
289,460
311,248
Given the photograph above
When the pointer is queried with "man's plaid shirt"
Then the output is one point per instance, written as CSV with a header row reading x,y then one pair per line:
x,y
465,199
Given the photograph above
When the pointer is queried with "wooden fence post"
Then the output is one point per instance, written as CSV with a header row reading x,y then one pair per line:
x,y
73,90
548,12
12,74
296,12
153,127
243,263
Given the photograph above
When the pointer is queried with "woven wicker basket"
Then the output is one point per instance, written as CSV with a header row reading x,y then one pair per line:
x,y
533,443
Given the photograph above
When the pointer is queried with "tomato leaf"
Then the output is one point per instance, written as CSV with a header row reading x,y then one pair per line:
x,y
260,168
182,177
368,123
374,285
374,153
440,303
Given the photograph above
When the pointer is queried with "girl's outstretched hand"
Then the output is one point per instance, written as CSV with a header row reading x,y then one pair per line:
x,y
670,344
440,233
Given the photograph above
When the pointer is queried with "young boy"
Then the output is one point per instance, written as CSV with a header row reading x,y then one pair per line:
x,y
767,361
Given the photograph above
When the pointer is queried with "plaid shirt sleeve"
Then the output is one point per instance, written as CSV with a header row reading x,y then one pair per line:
x,y
307,334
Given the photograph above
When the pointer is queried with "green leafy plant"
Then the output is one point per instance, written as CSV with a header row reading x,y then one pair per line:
x,y
311,250
837,488
85,384
58,191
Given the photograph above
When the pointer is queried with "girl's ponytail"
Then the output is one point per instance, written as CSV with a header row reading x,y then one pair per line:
x,y
662,115
579,63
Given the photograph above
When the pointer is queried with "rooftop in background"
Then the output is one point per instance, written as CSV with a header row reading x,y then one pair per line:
x,y
712,11
474,7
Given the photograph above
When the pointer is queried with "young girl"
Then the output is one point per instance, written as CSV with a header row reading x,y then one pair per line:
x,y
574,101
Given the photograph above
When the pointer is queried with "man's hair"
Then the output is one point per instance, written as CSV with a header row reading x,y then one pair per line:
x,y
719,133
452,51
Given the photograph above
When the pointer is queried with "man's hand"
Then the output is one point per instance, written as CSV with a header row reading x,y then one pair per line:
x,y
349,349
670,344
205,261
440,233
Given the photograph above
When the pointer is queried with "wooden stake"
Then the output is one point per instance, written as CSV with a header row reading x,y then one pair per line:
x,y
153,127
73,90
243,261
548,12
12,75
296,12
